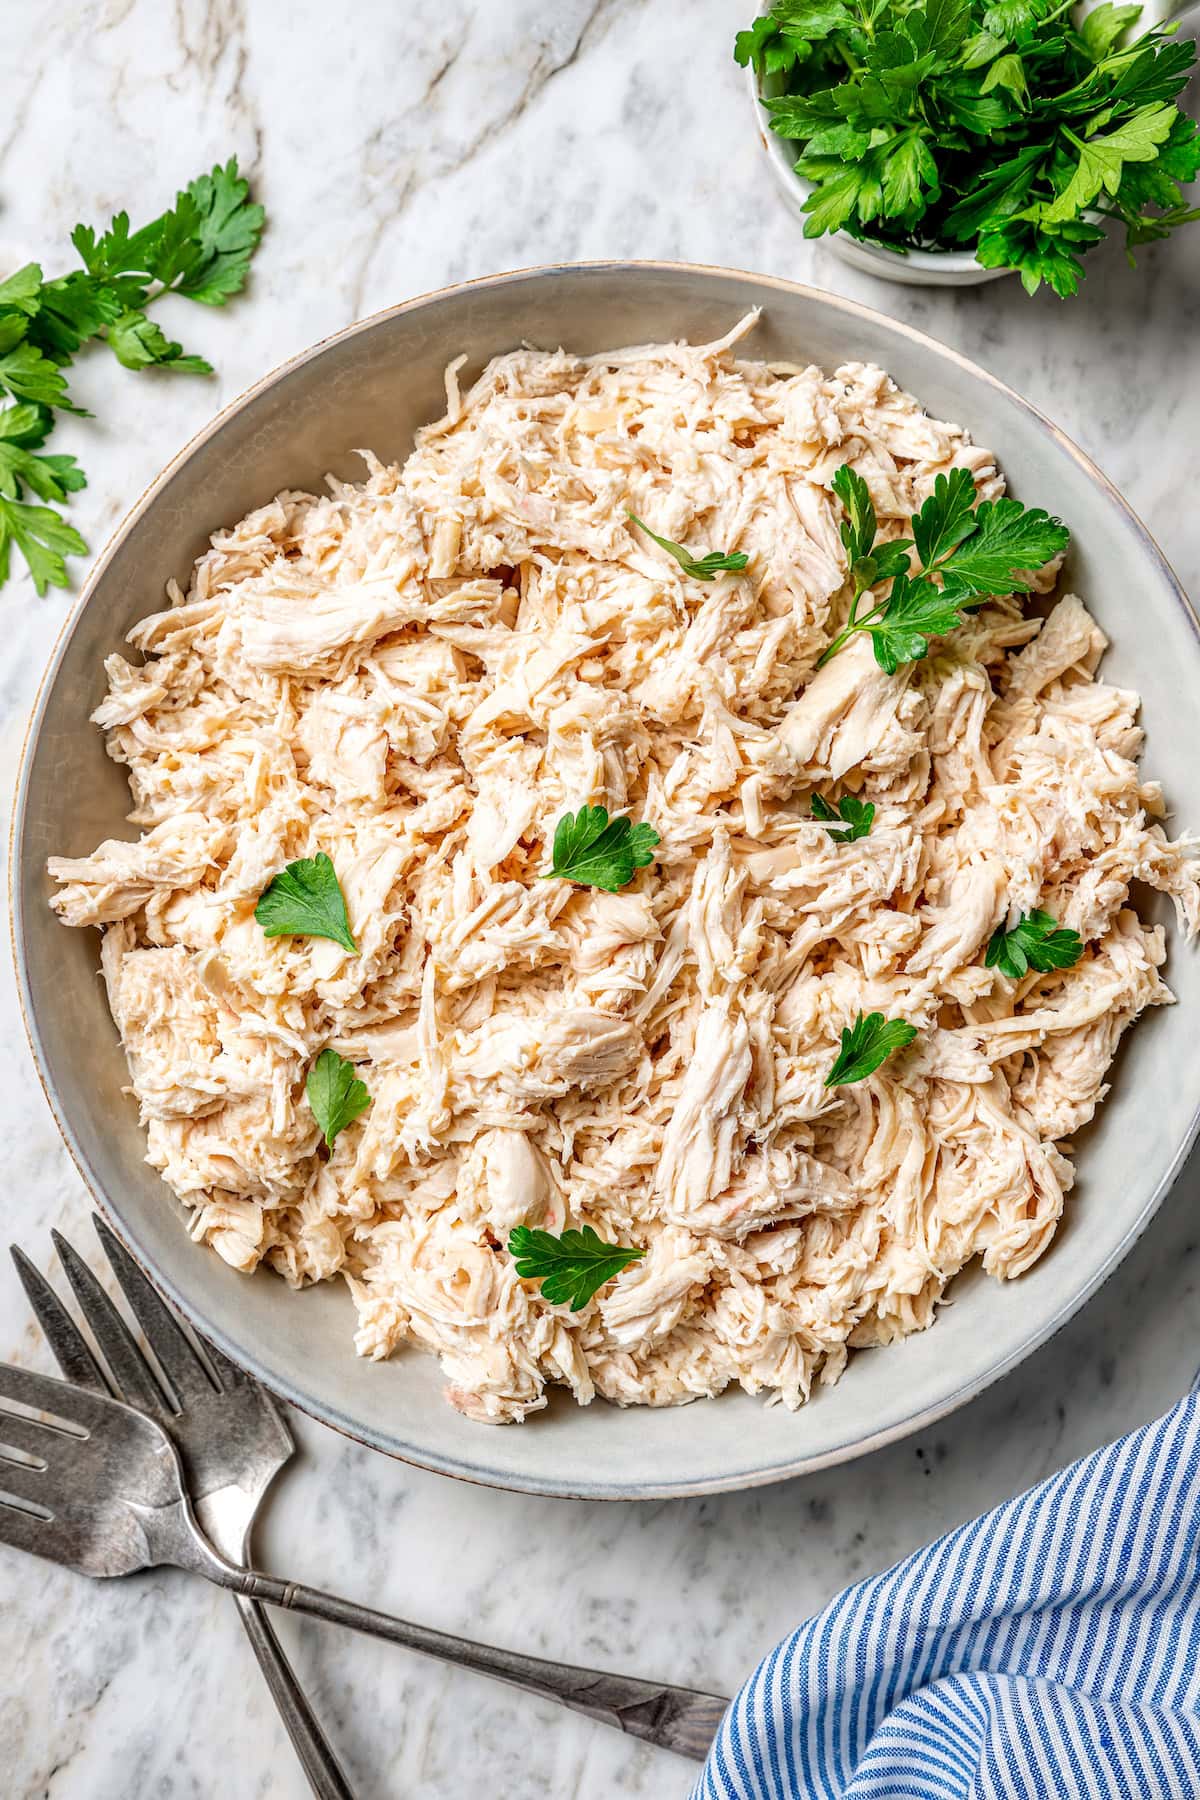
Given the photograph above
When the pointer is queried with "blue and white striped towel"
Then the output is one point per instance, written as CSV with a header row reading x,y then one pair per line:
x,y
1049,1650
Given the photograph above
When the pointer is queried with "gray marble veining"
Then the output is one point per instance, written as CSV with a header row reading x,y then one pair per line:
x,y
399,148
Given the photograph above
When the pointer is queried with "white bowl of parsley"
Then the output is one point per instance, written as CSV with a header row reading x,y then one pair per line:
x,y
949,142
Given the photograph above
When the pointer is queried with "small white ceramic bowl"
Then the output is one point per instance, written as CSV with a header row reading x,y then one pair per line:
x,y
915,268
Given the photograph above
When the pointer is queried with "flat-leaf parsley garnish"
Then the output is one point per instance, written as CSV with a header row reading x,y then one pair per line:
x,y
335,1093
201,247
571,1268
596,851
306,900
866,1044
851,819
700,568
967,552
1036,941
1015,129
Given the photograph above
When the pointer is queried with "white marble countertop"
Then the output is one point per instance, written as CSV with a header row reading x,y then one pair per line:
x,y
398,148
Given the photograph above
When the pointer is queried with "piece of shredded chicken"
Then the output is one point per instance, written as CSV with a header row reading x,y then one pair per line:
x,y
419,675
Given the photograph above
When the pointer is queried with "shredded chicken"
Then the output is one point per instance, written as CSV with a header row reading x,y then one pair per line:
x,y
418,675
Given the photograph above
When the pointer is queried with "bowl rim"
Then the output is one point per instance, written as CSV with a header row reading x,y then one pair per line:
x,y
788,1467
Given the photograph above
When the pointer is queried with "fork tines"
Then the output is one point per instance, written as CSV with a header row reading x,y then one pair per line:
x,y
184,1373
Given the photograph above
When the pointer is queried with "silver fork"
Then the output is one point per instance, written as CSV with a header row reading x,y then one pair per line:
x,y
230,1435
98,1486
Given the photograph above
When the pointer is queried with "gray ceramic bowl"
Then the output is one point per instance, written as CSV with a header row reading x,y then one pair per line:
x,y
374,384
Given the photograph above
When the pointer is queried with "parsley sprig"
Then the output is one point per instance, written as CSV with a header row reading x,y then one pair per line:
x,y
571,1268
866,1044
1006,126
596,851
700,568
200,248
851,818
1036,941
972,551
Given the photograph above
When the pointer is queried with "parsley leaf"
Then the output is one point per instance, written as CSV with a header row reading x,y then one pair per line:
x,y
137,342
1039,255
946,517
42,537
773,49
28,375
978,113
1035,942
859,527
999,194
701,568
228,227
1007,126
1157,183
571,1268
909,172
108,254
1006,18
72,309
1102,29
753,44
840,193
857,816
914,612
20,290
1103,159
787,35
335,1093
866,1044
1007,72
1006,541
813,19
306,900
23,430
596,851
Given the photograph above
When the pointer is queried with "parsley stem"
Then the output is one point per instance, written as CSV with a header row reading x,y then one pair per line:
x,y
850,627
831,650
853,624
868,618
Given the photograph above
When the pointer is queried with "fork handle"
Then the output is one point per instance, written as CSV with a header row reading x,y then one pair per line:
x,y
676,1718
325,1776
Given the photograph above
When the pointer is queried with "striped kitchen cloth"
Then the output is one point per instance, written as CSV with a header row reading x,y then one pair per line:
x,y
1049,1650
